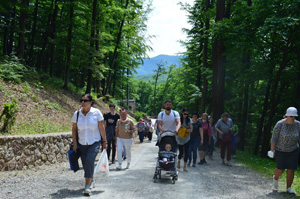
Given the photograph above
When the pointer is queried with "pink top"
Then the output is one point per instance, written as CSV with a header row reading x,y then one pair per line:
x,y
206,128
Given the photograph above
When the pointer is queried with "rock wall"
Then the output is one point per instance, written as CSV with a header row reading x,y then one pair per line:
x,y
27,151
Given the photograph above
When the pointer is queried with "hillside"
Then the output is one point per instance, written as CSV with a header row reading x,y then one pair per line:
x,y
149,77
42,109
151,64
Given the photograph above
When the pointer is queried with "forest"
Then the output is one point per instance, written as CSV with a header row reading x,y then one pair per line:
x,y
242,56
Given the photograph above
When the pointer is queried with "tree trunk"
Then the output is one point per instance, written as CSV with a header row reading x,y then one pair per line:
x,y
53,37
263,115
6,34
45,42
158,73
90,72
218,67
23,16
273,101
12,32
33,33
205,65
69,45
112,64
244,115
166,85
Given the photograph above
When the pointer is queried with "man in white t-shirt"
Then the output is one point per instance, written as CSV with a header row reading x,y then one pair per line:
x,y
168,120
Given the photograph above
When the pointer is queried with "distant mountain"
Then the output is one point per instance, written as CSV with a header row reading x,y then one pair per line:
x,y
151,64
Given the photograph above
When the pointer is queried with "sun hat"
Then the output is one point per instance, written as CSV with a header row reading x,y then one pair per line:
x,y
291,111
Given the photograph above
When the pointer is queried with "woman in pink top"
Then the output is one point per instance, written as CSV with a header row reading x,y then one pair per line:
x,y
207,133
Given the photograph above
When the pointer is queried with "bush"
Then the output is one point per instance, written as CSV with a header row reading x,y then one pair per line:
x,y
138,115
12,70
9,115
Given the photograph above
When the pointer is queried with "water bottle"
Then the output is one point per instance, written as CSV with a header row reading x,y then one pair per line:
x,y
126,127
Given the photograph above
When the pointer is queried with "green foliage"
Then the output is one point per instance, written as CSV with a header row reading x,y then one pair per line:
x,y
9,115
11,69
138,115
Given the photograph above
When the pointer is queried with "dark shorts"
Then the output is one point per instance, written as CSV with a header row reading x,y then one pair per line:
x,y
287,160
203,147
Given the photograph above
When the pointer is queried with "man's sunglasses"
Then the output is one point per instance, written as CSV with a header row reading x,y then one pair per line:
x,y
84,100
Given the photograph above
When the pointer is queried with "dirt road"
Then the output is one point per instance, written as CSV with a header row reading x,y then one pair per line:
x,y
210,181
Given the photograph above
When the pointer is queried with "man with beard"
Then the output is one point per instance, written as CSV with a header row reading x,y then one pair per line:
x,y
168,120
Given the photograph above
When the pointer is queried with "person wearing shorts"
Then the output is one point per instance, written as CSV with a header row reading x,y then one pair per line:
x,y
284,144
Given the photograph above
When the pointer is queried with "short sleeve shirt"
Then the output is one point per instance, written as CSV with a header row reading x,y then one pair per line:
x,y
168,121
111,120
196,126
88,130
286,136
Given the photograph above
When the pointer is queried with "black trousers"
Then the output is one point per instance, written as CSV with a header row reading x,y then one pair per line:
x,y
111,146
150,135
184,151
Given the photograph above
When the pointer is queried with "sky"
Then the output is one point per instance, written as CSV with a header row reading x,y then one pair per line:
x,y
166,22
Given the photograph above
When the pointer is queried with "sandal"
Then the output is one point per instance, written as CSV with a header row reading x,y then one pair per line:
x,y
184,169
228,164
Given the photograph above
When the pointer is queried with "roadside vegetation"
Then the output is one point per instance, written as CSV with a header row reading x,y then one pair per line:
x,y
266,167
33,103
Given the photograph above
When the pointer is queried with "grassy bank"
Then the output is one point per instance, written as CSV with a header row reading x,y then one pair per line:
x,y
266,167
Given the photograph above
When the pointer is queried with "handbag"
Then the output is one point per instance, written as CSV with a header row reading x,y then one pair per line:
x,y
102,166
182,132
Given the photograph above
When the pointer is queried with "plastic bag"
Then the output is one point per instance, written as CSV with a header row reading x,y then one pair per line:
x,y
102,166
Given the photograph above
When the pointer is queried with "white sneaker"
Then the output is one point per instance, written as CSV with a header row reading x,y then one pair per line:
x,y
290,190
275,183
128,165
87,190
119,167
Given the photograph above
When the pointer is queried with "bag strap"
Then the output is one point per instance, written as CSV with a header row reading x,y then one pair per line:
x,y
162,114
77,126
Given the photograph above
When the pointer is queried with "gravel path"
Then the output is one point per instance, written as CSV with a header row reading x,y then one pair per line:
x,y
209,181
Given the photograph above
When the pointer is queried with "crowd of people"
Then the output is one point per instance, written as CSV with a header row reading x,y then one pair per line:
x,y
195,136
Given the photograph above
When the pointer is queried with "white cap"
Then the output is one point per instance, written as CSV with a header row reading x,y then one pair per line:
x,y
291,111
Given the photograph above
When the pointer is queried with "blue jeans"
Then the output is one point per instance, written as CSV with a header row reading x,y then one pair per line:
x,y
233,144
141,136
88,156
193,149
211,147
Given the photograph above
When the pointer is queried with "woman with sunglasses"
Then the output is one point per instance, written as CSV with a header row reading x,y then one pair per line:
x,y
284,144
183,142
90,129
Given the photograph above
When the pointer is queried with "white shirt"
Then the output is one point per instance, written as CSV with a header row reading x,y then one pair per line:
x,y
88,130
168,121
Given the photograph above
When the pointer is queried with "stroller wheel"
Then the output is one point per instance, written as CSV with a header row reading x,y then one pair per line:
x,y
173,180
159,175
154,179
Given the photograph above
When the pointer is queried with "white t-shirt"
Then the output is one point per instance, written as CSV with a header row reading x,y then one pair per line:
x,y
168,121
88,131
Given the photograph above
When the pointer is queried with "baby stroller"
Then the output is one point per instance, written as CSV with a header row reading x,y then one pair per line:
x,y
166,159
